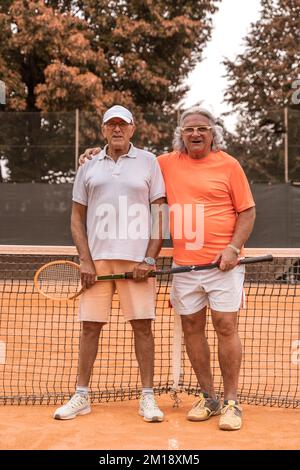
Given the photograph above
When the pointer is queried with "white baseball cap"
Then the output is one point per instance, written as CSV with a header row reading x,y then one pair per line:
x,y
118,112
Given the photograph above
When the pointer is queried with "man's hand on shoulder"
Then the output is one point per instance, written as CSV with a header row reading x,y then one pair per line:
x,y
88,155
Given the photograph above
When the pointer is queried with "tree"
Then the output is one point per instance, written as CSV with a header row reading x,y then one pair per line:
x,y
261,87
45,57
59,55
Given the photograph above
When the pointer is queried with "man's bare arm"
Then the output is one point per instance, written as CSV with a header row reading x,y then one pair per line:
x,y
79,234
243,229
158,211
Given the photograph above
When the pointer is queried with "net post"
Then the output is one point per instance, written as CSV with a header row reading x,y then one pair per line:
x,y
176,359
76,138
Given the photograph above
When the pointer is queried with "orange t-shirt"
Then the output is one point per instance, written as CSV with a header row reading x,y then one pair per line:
x,y
209,193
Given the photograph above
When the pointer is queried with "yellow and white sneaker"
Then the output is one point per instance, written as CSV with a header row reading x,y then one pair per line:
x,y
231,416
204,408
79,404
149,409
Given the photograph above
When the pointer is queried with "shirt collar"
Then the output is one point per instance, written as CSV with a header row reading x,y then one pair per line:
x,y
131,152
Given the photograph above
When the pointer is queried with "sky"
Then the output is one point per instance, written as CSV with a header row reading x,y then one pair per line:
x,y
207,81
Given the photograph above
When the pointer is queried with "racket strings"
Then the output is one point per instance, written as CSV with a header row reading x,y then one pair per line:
x,y
59,280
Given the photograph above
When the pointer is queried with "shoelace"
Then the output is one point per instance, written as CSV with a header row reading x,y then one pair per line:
x,y
200,403
77,400
149,402
229,407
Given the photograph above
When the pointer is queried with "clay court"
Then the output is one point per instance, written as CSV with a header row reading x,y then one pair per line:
x,y
38,361
118,426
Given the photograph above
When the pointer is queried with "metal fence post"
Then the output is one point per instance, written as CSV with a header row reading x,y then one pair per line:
x,y
286,145
76,138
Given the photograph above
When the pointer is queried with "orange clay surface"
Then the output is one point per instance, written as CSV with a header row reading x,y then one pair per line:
x,y
36,333
118,426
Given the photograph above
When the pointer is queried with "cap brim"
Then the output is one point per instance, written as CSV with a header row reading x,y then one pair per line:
x,y
126,119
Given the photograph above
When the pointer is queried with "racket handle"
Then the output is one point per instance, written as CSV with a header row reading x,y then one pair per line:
x,y
182,269
128,275
257,259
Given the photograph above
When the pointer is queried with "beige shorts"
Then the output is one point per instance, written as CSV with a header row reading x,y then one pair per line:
x,y
221,290
137,299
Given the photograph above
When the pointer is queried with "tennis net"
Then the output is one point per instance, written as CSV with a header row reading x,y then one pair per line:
x,y
39,338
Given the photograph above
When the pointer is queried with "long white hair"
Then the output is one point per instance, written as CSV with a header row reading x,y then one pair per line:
x,y
217,130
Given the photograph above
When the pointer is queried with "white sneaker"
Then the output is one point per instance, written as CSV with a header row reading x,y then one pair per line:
x,y
78,404
149,409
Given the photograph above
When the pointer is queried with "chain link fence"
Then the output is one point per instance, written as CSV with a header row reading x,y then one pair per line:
x,y
44,147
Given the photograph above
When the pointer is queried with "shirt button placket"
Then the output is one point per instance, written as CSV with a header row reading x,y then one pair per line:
x,y
117,168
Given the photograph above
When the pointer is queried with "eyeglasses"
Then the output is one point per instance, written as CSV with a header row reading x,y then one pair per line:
x,y
199,129
121,125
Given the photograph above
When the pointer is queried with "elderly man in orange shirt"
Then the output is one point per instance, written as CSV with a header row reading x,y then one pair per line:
x,y
198,173
207,189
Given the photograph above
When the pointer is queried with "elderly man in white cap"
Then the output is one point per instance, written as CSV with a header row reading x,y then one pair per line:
x,y
110,241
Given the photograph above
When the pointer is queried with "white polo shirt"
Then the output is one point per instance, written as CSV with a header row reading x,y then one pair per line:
x,y
118,197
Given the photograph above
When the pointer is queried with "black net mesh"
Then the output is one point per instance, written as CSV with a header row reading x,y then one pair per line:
x,y
39,339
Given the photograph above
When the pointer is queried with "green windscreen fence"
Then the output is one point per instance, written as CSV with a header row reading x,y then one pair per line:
x,y
40,214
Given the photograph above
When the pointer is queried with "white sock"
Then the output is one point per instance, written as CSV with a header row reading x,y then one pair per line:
x,y
147,391
82,390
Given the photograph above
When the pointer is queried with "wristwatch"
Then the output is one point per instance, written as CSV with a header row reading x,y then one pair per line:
x,y
149,260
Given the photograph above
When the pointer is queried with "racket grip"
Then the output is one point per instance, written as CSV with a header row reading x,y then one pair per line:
x,y
128,275
257,259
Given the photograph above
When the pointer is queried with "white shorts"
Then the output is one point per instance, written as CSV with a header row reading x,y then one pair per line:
x,y
220,290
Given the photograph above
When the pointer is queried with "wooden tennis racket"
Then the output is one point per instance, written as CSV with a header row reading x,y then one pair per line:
x,y
61,280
